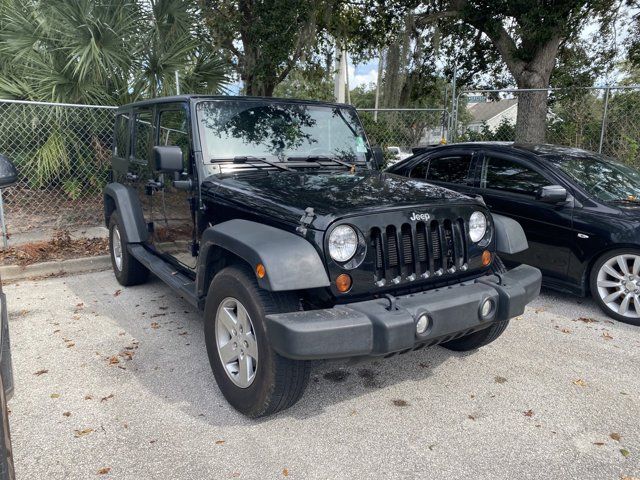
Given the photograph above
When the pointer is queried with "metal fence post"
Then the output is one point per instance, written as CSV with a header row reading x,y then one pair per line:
x,y
603,127
5,237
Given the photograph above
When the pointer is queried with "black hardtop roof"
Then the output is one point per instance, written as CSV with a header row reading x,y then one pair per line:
x,y
190,97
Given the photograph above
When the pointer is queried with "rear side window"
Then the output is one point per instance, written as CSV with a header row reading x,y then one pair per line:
x,y
121,145
454,169
420,170
143,135
511,176
174,132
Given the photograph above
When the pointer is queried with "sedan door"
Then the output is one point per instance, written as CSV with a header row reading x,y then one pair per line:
x,y
509,186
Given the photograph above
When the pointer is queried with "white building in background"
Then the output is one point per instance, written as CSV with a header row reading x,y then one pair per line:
x,y
492,113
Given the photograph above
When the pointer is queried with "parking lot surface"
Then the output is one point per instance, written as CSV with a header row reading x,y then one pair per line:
x,y
115,383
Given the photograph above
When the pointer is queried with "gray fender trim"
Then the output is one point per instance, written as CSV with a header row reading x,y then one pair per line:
x,y
129,209
290,261
510,237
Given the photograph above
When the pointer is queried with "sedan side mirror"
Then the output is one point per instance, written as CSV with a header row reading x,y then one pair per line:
x,y
8,172
552,194
378,158
167,159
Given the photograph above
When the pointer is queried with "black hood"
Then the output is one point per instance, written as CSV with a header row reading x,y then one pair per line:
x,y
331,195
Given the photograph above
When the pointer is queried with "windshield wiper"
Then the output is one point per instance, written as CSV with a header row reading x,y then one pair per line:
x,y
248,158
314,158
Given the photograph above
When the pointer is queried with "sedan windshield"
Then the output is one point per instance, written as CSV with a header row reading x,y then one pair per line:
x,y
603,177
279,131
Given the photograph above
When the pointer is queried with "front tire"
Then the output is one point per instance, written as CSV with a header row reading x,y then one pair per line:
x,y
615,284
487,335
253,378
127,269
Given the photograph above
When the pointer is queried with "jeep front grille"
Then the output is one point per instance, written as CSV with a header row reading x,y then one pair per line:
x,y
420,250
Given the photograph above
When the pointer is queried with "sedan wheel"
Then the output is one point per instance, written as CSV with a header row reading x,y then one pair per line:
x,y
236,341
616,285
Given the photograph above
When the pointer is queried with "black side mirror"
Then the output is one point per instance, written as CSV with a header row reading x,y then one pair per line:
x,y
167,159
377,160
8,172
552,194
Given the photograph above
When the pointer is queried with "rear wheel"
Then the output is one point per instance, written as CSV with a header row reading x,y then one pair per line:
x,y
485,336
615,284
253,378
127,269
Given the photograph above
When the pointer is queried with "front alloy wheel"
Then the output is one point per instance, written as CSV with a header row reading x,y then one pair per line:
x,y
236,341
615,285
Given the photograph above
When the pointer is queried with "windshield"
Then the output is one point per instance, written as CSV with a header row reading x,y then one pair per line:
x,y
603,177
279,131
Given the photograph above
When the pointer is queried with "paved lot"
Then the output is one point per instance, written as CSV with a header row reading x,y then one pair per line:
x,y
544,401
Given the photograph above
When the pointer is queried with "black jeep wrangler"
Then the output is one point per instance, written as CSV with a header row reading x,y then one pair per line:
x,y
268,215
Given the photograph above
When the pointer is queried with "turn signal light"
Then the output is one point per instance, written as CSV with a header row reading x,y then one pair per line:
x,y
343,282
260,270
486,258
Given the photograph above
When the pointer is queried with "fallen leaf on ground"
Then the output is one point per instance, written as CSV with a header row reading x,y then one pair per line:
x,y
586,320
104,470
625,453
580,382
70,344
66,414
471,417
41,372
499,379
88,397
528,413
155,325
285,472
117,292
615,436
219,442
607,335
599,444
398,402
113,360
55,395
83,432
104,399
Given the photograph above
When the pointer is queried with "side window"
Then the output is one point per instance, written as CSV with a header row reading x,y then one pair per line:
x,y
174,132
143,134
510,176
453,169
121,144
420,170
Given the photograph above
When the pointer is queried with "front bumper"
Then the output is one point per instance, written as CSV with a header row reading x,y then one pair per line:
x,y
388,325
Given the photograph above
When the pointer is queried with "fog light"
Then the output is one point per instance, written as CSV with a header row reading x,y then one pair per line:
x,y
343,282
486,309
422,324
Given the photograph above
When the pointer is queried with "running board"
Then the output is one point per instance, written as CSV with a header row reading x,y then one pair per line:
x,y
166,272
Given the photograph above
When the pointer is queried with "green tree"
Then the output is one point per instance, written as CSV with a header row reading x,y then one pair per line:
x,y
90,51
527,37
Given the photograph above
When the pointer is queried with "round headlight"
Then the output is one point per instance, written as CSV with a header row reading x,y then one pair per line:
x,y
343,243
477,226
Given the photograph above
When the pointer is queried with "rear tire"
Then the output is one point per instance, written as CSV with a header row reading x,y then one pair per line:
x,y
127,269
273,383
487,335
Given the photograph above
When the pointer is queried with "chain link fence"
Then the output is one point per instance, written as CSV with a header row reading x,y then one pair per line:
x,y
605,119
63,151
398,130
63,156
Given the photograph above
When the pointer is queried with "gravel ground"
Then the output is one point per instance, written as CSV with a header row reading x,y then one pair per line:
x,y
115,383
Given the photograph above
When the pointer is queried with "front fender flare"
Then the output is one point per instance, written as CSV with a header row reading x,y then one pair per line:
x,y
291,262
125,201
510,237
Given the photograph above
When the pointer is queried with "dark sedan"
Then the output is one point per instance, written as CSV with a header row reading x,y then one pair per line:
x,y
580,211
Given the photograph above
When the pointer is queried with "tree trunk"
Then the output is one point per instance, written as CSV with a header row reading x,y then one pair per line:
x,y
531,123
